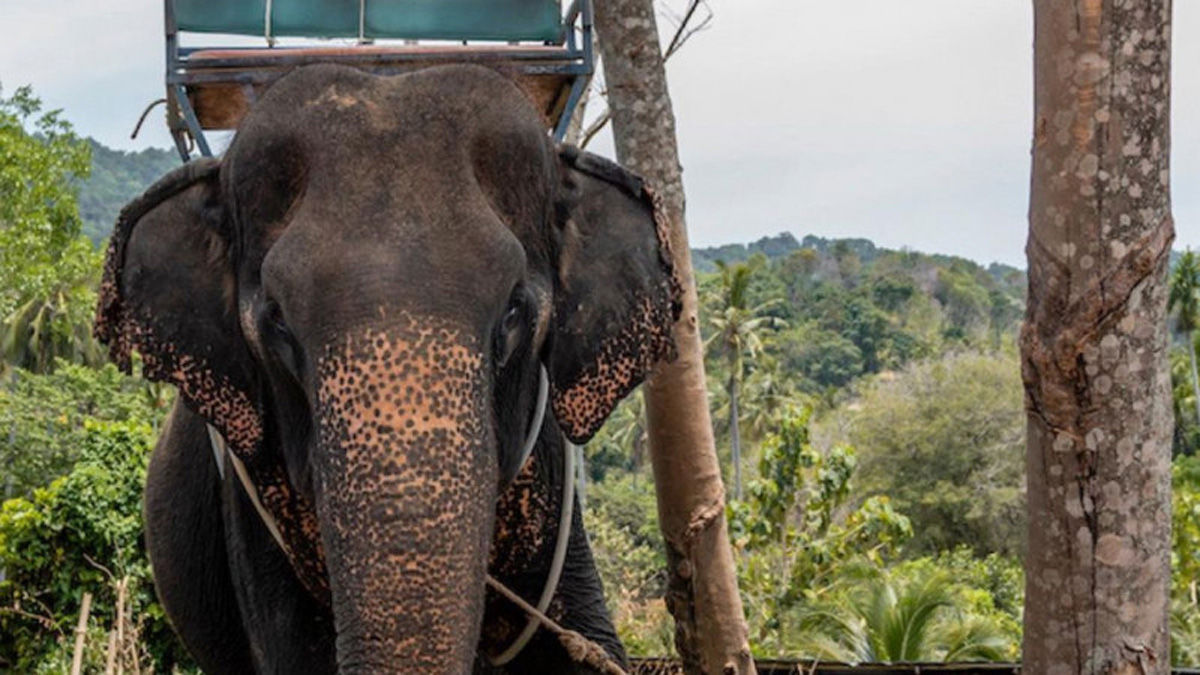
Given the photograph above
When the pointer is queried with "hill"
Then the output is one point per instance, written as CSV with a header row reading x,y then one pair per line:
x,y
116,178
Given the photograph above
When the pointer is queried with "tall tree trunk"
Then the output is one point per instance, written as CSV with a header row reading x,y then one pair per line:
x,y
735,438
710,630
1094,345
1191,338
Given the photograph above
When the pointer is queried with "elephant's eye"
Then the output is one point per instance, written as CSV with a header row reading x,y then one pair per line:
x,y
512,319
275,318
280,339
511,330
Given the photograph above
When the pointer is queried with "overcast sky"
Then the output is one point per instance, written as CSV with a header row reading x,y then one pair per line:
x,y
906,122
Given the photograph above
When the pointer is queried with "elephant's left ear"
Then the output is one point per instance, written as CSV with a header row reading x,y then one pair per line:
x,y
616,295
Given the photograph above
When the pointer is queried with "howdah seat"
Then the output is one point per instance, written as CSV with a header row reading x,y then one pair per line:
x,y
211,86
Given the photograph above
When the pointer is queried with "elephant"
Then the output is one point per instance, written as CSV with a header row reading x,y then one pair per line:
x,y
358,304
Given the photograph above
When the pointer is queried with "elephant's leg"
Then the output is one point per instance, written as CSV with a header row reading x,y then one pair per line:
x,y
186,542
527,528
290,632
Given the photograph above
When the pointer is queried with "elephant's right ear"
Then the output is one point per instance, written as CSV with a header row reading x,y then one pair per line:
x,y
168,292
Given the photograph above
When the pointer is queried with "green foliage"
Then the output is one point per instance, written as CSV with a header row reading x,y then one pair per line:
x,y
737,325
49,271
622,443
45,417
622,525
791,543
77,535
824,357
1185,562
967,302
1183,299
903,615
38,216
1185,439
945,439
704,260
58,325
1183,302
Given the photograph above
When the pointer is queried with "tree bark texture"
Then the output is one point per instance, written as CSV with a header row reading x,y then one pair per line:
x,y
1094,344
702,595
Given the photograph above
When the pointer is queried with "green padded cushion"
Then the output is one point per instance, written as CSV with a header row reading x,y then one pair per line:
x,y
500,20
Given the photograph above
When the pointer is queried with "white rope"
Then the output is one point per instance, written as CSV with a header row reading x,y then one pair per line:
x,y
268,19
566,513
539,416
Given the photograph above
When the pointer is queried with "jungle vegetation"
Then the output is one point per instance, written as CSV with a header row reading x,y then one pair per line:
x,y
871,399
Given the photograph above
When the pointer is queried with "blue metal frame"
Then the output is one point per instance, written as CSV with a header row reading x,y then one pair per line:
x,y
575,59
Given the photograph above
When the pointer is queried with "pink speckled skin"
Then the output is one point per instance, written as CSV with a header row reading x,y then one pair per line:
x,y
358,296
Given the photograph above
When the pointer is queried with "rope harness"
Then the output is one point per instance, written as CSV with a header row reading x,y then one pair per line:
x,y
577,646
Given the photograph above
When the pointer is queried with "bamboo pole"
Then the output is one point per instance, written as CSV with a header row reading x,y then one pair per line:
x,y
85,608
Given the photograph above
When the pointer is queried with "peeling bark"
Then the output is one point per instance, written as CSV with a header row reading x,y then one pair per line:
x,y
710,630
1094,345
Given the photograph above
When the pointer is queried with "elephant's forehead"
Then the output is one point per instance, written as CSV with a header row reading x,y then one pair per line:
x,y
447,106
331,272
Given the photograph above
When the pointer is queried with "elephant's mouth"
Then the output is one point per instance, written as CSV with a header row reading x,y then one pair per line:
x,y
406,488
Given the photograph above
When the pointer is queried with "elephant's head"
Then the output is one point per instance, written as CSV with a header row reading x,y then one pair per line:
x,y
358,297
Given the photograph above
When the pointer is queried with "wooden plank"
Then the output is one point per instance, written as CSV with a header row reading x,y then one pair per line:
x,y
222,103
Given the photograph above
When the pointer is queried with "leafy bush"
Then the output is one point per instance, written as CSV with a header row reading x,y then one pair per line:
x,y
1185,562
621,519
77,535
945,439
793,538
45,416
49,270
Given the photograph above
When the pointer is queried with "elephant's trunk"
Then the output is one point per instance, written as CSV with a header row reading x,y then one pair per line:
x,y
406,490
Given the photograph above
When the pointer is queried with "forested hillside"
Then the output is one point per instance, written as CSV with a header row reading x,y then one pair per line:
x,y
117,177
867,403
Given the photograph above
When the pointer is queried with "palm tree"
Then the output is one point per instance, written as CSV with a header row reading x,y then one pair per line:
x,y
629,431
1184,299
737,329
770,392
907,621
43,329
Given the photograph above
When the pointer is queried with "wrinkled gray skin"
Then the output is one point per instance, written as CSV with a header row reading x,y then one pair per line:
x,y
358,297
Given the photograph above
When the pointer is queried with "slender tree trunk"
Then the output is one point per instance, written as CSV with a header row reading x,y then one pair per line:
x,y
710,630
735,438
1094,345
1191,338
